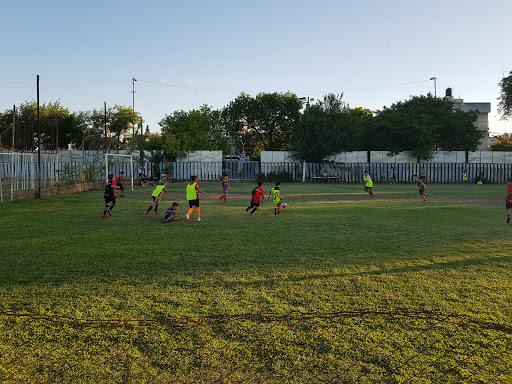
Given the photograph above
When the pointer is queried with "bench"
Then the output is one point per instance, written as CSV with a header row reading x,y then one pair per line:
x,y
329,178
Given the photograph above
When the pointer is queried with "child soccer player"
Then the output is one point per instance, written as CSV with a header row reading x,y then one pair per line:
x,y
156,196
226,187
276,197
110,196
368,184
193,198
421,185
170,214
119,182
257,196
509,199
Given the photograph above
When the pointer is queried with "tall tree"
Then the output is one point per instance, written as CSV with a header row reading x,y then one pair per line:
x,y
420,125
201,129
263,122
505,99
326,128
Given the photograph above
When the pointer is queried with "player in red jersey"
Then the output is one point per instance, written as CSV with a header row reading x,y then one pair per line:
x,y
119,182
509,198
110,196
257,196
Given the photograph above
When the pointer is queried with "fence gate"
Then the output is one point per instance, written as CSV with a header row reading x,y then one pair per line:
x,y
242,170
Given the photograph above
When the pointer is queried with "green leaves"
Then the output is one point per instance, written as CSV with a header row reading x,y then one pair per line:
x,y
505,99
201,129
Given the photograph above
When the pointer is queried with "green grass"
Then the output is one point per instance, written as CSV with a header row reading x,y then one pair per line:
x,y
332,249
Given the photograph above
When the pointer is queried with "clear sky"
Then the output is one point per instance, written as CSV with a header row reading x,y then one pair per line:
x,y
189,53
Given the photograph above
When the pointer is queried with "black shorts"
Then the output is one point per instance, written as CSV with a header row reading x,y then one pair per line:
x,y
120,185
509,205
254,204
109,198
155,198
195,202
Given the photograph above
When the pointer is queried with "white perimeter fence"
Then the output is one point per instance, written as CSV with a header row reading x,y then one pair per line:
x,y
20,171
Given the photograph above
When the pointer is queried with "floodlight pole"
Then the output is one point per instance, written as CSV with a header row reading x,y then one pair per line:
x,y
435,85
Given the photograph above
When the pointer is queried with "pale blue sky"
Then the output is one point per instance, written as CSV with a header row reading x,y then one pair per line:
x,y
189,53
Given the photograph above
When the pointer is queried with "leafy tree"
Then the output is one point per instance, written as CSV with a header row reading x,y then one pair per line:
x,y
503,144
263,122
505,99
201,129
420,125
121,120
326,128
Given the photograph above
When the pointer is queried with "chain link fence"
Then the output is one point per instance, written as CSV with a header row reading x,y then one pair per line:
x,y
386,346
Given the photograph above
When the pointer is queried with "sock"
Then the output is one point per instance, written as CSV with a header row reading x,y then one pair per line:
x,y
255,208
156,207
190,211
105,209
247,209
149,209
112,206
198,212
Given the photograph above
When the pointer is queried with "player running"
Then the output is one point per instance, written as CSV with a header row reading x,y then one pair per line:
x,y
276,197
110,196
421,185
119,182
368,184
193,198
258,195
156,196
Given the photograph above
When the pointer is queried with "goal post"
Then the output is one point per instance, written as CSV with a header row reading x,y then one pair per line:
x,y
117,155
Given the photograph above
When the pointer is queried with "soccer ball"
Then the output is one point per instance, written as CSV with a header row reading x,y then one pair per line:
x,y
283,204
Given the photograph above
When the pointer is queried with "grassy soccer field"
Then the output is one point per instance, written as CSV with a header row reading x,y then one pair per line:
x,y
332,249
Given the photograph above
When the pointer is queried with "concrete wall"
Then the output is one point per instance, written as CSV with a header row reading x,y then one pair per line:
x,y
201,157
441,157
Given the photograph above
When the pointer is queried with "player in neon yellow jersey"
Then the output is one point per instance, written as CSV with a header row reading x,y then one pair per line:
x,y
276,197
156,196
193,198
368,184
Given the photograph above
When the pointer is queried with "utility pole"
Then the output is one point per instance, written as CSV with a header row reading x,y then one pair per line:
x,y
133,105
38,145
13,125
106,139
57,128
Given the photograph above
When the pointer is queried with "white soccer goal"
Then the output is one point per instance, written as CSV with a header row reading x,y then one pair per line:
x,y
117,155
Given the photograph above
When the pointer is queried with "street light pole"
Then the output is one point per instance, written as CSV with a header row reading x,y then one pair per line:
x,y
133,105
435,86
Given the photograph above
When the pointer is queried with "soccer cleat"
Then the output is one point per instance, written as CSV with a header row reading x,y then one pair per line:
x,y
508,219
146,213
156,213
109,213
187,217
199,219
166,220
104,215
247,209
252,213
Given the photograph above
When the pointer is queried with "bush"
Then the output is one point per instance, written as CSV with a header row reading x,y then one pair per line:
x,y
282,176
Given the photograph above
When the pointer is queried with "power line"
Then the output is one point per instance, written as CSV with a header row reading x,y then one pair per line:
x,y
360,89
66,84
